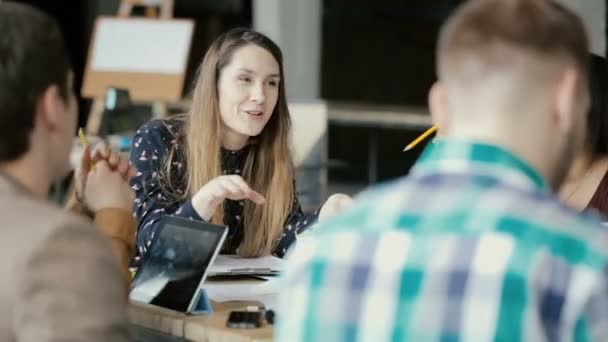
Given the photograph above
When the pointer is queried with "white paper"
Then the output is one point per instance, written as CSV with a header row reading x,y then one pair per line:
x,y
263,292
231,263
147,46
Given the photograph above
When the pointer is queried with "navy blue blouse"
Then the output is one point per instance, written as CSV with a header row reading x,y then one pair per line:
x,y
151,146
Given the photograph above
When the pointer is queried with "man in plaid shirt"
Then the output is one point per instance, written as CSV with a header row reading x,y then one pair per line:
x,y
472,245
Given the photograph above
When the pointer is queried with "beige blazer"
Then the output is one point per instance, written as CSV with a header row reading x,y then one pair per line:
x,y
59,280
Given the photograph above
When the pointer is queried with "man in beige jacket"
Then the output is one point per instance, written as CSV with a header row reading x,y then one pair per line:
x,y
59,280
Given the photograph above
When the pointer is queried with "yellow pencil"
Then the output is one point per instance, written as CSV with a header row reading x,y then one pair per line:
x,y
83,142
420,138
83,139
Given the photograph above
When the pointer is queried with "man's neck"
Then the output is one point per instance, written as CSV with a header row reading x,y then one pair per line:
x,y
580,166
530,154
29,174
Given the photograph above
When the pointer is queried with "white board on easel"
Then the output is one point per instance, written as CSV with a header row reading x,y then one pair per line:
x,y
146,56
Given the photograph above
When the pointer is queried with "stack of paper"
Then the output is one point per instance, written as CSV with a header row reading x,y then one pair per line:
x,y
263,292
233,265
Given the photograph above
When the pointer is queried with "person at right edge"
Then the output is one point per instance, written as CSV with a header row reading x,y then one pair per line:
x,y
473,245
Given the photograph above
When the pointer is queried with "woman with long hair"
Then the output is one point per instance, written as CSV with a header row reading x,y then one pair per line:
x,y
228,160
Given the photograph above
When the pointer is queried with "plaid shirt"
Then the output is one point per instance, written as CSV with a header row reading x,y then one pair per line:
x,y
471,246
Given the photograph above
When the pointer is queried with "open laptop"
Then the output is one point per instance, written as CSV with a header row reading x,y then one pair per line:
x,y
176,263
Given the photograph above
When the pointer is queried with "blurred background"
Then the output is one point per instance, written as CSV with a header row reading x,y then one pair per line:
x,y
357,73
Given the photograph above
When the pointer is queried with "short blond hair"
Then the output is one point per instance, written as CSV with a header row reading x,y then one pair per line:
x,y
517,36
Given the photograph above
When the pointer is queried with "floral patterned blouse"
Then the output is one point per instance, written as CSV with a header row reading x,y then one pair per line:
x,y
151,145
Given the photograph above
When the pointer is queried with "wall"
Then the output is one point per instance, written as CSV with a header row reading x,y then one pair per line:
x,y
593,13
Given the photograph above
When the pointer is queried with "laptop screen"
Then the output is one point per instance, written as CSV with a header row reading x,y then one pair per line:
x,y
176,263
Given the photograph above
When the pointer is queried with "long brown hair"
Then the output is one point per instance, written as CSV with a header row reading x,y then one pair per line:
x,y
268,168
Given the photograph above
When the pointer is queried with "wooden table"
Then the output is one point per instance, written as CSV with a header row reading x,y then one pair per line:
x,y
207,328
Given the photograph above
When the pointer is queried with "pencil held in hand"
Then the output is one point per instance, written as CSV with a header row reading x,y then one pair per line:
x,y
83,139
84,143
420,138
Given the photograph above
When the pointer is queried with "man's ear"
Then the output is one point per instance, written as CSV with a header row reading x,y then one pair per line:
x,y
437,106
49,107
565,100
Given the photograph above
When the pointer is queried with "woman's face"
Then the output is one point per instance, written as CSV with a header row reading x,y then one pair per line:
x,y
248,89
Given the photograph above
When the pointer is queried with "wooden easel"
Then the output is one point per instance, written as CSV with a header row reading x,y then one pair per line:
x,y
151,6
162,9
